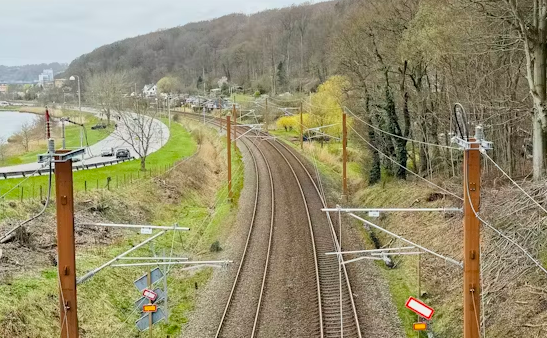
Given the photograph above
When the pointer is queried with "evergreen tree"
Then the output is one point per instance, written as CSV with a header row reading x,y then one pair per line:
x,y
375,173
281,76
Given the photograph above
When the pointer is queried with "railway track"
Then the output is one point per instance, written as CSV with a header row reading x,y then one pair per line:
x,y
336,311
247,290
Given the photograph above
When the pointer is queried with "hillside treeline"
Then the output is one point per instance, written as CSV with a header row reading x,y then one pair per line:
x,y
273,51
407,62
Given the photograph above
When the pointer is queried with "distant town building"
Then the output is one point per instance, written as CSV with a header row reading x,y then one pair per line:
x,y
59,83
149,90
3,88
46,77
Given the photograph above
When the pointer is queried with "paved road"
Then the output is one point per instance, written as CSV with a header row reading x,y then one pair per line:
x,y
114,140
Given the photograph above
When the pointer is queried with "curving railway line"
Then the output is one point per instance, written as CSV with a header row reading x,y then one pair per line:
x,y
285,285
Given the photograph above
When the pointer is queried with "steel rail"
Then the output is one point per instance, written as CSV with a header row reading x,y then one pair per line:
x,y
262,287
315,256
244,255
335,239
333,233
248,240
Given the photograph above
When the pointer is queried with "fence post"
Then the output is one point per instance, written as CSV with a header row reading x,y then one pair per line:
x,y
85,186
22,192
41,198
117,182
108,183
97,184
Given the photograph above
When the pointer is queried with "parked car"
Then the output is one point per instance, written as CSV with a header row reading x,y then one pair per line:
x,y
99,126
4,104
107,152
122,153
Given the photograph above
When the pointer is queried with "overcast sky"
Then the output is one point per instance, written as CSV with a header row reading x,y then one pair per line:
x,y
37,31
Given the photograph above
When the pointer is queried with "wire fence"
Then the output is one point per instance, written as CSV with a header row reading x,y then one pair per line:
x,y
33,192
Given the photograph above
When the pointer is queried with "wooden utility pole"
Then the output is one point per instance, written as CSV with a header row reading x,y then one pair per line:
x,y
150,321
344,157
471,238
66,251
220,115
235,125
301,129
229,149
266,116
419,294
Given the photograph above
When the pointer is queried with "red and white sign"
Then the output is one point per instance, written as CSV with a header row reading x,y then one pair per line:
x,y
149,294
420,308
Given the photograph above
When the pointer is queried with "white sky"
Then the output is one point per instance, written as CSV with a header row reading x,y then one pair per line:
x,y
36,31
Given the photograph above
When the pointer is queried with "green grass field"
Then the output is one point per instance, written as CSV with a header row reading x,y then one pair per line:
x,y
106,301
180,145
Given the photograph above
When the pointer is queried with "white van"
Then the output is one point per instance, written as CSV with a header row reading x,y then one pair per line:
x,y
4,104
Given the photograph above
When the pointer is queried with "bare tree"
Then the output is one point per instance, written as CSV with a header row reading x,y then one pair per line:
x,y
107,90
302,24
139,129
3,149
25,135
528,20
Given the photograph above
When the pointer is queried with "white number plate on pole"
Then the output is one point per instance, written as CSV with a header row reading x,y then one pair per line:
x,y
146,231
374,213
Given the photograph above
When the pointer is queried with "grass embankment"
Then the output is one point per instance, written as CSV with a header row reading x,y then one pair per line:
x,y
193,195
179,145
438,231
72,138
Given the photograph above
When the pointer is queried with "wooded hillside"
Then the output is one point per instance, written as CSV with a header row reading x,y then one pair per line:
x,y
275,50
408,62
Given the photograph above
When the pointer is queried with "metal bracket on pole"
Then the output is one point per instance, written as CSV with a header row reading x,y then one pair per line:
x,y
253,128
200,263
61,157
478,139
137,226
392,209
448,259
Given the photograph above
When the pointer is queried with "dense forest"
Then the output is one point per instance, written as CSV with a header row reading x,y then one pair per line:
x,y
27,73
275,50
407,61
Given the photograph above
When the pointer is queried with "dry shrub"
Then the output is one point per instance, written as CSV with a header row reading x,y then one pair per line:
x,y
198,175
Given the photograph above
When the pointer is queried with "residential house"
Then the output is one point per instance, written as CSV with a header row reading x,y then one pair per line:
x,y
149,90
3,88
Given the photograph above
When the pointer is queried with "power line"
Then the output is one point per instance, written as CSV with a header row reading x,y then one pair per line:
x,y
501,234
23,181
398,136
9,235
513,181
404,167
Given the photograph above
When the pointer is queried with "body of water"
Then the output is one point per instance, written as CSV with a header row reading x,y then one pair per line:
x,y
11,122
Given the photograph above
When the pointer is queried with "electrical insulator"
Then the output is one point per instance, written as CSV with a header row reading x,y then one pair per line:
x,y
51,146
